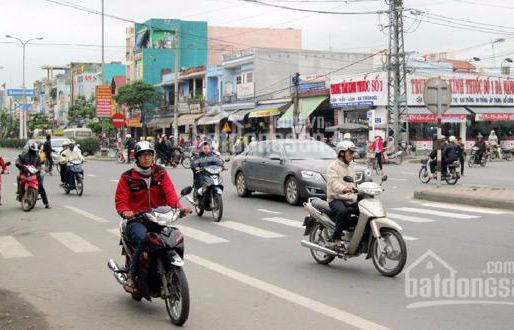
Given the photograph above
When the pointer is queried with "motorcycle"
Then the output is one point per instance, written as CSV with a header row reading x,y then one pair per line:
x,y
208,197
122,156
507,153
29,186
393,157
75,177
370,233
474,159
183,157
495,153
2,171
160,266
452,175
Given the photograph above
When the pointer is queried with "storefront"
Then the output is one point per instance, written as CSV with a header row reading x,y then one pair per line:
x,y
187,124
261,121
314,115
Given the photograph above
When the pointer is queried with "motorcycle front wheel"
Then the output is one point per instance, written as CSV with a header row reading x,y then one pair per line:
x,y
177,304
424,176
217,207
79,185
319,235
471,161
453,178
198,208
29,199
186,162
390,256
121,159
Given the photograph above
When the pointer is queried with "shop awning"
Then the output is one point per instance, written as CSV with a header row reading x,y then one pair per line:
x,y
239,115
306,106
212,120
188,119
493,113
268,110
160,122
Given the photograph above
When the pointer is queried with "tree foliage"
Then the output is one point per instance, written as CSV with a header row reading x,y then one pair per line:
x,y
9,125
81,112
39,121
137,94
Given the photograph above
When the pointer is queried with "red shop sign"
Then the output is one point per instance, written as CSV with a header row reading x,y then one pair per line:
x,y
494,117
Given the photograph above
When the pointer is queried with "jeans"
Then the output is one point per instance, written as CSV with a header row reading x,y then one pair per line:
x,y
378,157
137,235
50,161
342,212
462,160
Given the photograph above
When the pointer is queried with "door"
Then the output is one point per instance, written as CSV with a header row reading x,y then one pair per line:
x,y
273,170
251,165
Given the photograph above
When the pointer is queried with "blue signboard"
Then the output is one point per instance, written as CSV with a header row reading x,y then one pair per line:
x,y
19,92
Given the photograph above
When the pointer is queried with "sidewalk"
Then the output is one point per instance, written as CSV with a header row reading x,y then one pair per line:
x,y
484,196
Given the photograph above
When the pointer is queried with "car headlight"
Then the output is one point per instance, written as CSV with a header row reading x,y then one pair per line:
x,y
310,175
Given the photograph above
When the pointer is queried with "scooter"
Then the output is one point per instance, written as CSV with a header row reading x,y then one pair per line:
x,y
507,153
370,233
75,176
209,197
452,175
475,160
2,171
122,156
160,266
393,157
29,187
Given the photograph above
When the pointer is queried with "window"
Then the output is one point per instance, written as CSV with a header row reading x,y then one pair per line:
x,y
249,77
238,80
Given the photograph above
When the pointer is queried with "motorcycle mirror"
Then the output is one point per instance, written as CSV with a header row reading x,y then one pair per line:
x,y
8,164
384,178
348,178
186,191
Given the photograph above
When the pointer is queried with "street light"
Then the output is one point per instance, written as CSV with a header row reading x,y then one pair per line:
x,y
475,59
23,115
506,69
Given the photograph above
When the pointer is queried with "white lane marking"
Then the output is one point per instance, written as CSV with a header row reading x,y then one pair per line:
x,y
398,179
201,235
250,230
410,238
395,216
284,221
11,248
268,211
91,175
85,214
74,242
438,213
292,297
115,181
115,231
461,207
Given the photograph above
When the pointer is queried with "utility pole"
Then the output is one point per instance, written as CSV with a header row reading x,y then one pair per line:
x,y
103,44
296,84
176,84
396,71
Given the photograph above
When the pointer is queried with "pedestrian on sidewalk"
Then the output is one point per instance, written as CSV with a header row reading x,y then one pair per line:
x,y
461,152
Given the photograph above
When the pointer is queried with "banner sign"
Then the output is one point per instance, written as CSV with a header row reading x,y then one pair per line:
x,y
19,92
358,92
494,116
431,118
311,82
103,101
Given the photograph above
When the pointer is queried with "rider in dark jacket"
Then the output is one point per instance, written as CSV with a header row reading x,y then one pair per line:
x,y
450,153
205,158
31,157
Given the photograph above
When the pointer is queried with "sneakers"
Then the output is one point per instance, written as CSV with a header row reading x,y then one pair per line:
x,y
47,206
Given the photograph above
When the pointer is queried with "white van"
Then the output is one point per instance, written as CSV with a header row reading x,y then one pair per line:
x,y
78,133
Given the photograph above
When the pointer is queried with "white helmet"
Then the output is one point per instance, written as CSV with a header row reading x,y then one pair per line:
x,y
452,138
33,146
142,146
128,136
347,136
344,146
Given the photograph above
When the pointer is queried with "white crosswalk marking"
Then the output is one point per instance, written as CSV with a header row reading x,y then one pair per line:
x,y
115,181
268,211
410,238
11,248
464,208
284,221
201,235
437,213
250,230
85,213
74,242
394,216
91,175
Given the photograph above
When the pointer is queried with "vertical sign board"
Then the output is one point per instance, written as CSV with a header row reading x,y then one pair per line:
x,y
103,101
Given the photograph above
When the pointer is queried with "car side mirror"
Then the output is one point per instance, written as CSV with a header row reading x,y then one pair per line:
x,y
275,157
348,179
186,191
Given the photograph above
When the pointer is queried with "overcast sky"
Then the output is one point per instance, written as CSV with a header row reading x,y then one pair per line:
x,y
57,24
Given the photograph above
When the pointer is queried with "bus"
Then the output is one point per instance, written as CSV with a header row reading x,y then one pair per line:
x,y
78,133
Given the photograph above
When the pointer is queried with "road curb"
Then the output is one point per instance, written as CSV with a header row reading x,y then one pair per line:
x,y
481,200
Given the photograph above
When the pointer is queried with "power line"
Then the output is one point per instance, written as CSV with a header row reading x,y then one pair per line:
x,y
262,3
467,21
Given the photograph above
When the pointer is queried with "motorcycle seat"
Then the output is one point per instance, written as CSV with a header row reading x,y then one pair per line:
x,y
322,206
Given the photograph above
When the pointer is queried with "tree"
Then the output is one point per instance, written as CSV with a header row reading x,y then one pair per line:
x,y
9,125
103,125
38,121
81,112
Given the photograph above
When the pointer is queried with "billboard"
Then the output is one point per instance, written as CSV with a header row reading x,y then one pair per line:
x,y
19,92
359,91
103,101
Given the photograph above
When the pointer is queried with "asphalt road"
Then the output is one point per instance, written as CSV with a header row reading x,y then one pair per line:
x,y
249,271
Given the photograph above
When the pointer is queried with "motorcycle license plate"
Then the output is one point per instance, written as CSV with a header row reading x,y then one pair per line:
x,y
308,222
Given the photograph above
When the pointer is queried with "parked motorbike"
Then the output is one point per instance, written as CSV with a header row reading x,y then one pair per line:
x,y
370,233
183,157
29,187
507,153
1,173
160,267
495,153
451,177
209,197
474,159
75,177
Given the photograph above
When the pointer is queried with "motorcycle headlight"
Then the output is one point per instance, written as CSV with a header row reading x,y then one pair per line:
x,y
310,175
367,172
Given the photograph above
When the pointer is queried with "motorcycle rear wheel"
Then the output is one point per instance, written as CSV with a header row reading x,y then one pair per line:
x,y
453,178
79,186
379,257
424,176
319,235
177,305
29,199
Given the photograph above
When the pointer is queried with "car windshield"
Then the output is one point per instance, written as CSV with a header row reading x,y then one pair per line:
x,y
308,150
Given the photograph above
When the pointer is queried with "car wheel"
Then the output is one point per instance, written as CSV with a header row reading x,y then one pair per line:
x,y
292,191
242,189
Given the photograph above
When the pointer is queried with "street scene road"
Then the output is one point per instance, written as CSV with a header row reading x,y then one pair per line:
x,y
248,271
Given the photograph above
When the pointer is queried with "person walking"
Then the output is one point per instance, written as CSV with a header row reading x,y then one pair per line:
x,y
378,148
461,152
